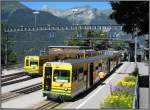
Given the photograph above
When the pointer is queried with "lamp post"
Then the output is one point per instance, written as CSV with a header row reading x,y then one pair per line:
x,y
107,30
35,17
135,50
135,46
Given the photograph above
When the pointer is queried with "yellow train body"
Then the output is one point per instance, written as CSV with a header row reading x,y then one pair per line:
x,y
71,77
33,65
58,83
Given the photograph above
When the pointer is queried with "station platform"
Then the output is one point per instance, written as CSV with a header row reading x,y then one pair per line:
x,y
143,85
143,81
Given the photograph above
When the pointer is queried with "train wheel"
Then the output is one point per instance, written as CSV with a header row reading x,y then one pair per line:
x,y
48,97
60,99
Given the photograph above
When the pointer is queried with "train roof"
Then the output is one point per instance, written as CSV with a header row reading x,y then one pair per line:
x,y
70,52
61,53
57,63
81,60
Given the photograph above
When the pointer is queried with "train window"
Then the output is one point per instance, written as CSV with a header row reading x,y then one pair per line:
x,y
100,68
75,75
80,70
78,56
27,62
56,58
85,72
99,64
80,74
96,68
33,63
61,75
85,75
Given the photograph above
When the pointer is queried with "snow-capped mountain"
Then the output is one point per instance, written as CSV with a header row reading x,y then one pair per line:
x,y
82,15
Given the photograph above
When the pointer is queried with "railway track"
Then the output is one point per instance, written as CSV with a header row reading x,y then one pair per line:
x,y
19,92
10,79
16,81
12,76
47,105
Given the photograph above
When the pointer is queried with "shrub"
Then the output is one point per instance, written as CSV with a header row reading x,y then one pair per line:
x,y
121,94
118,101
126,84
130,78
129,81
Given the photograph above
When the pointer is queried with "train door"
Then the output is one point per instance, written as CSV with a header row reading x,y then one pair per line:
x,y
86,78
91,74
48,78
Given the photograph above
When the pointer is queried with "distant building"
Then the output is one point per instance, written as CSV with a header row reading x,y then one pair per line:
x,y
65,49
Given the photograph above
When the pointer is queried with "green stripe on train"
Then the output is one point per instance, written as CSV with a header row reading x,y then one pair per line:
x,y
63,93
58,91
61,89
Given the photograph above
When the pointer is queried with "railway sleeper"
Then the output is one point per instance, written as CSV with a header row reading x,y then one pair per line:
x,y
22,91
11,77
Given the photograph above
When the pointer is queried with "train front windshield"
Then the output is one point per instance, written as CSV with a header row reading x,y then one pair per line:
x,y
61,76
33,63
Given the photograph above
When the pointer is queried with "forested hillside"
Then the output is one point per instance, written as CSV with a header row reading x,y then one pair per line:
x,y
15,14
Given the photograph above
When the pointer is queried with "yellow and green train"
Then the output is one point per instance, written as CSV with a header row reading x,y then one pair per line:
x,y
67,79
33,65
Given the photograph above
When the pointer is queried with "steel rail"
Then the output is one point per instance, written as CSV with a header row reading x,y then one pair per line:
x,y
47,105
19,92
12,76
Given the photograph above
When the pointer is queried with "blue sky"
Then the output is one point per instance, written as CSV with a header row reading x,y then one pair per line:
x,y
66,5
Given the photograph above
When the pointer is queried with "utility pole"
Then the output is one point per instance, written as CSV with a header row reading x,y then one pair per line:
x,y
135,56
91,43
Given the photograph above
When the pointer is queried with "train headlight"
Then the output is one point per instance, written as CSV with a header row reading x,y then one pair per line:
x,y
66,89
